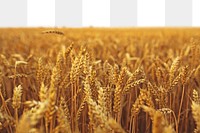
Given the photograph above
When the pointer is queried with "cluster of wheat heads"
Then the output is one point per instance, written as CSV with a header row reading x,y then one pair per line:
x,y
99,80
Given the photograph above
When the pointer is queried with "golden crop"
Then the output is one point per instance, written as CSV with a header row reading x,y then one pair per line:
x,y
99,80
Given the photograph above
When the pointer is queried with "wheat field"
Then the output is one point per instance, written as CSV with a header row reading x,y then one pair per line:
x,y
97,80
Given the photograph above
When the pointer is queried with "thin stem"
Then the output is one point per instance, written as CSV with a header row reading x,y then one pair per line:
x,y
175,121
16,116
46,126
181,103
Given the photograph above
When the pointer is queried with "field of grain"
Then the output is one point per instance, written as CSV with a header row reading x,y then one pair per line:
x,y
100,80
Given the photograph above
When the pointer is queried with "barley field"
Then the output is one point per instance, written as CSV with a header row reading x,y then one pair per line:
x,y
97,80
